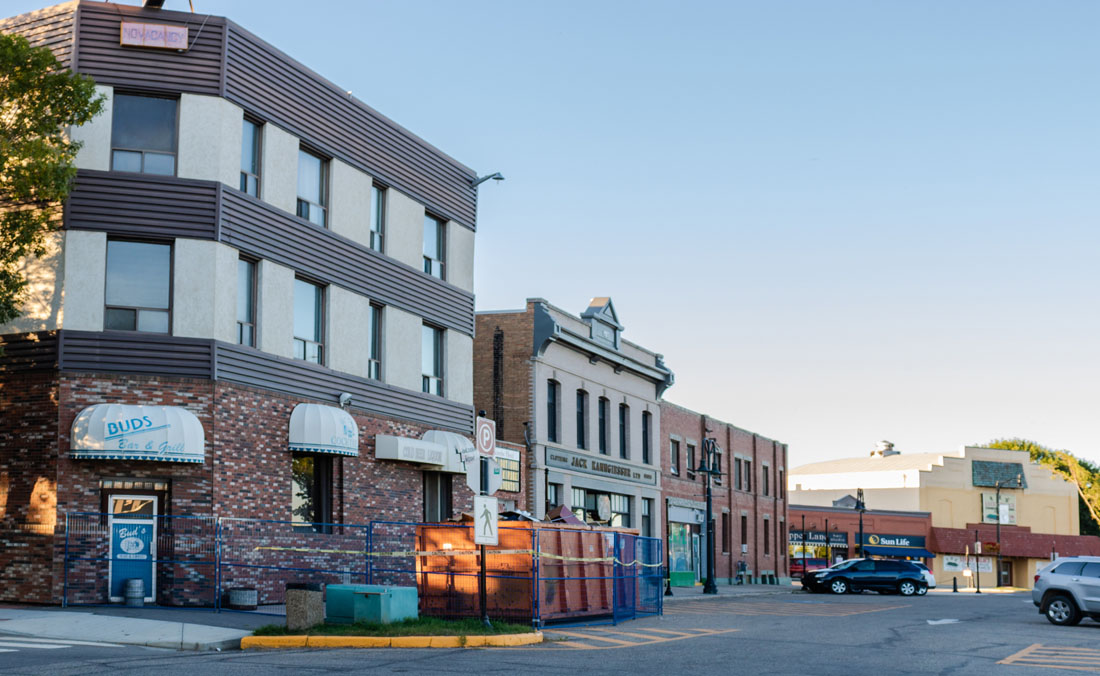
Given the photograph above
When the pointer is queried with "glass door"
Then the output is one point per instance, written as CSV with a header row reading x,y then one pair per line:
x,y
133,533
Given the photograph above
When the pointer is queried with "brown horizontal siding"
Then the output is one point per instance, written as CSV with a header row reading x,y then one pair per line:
x,y
50,27
266,232
270,84
248,366
142,205
126,352
197,71
20,352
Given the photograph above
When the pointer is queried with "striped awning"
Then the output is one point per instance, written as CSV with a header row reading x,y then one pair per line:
x,y
133,432
316,428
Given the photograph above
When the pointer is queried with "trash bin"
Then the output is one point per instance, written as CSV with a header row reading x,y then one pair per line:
x,y
133,592
305,605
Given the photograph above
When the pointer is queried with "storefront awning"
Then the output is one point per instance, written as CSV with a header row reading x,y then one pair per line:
x,y
457,449
316,428
898,551
130,432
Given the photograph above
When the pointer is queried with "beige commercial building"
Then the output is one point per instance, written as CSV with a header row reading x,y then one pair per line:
x,y
1038,509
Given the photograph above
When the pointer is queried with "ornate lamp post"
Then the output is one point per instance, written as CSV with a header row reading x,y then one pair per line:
x,y
707,467
862,507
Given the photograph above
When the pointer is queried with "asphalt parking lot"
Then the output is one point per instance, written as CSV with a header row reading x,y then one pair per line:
x,y
783,633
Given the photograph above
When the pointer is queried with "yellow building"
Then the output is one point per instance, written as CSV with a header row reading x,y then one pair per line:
x,y
1038,508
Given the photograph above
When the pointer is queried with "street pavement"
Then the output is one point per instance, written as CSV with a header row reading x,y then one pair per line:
x,y
754,631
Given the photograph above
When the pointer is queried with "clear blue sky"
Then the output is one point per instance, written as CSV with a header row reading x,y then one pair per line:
x,y
839,221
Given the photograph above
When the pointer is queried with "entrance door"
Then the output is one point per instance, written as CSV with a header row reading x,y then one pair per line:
x,y
133,533
1006,572
695,549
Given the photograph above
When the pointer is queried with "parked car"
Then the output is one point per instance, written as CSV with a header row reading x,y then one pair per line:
x,y
811,565
882,575
929,578
1068,590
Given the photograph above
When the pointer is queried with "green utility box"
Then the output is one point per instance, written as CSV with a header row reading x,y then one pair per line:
x,y
682,578
347,603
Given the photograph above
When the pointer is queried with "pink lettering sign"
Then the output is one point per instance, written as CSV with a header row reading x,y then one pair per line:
x,y
160,36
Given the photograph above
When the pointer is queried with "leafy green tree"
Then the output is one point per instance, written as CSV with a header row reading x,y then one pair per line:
x,y
39,101
1084,474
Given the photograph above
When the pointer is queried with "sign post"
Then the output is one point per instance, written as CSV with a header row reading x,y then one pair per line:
x,y
486,512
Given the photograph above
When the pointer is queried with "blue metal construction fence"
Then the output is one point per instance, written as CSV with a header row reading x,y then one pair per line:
x,y
535,574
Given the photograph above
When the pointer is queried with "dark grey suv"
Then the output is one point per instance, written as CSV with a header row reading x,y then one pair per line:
x,y
1068,590
881,575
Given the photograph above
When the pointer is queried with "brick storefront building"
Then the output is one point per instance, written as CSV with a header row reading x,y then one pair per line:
x,y
749,500
259,307
892,534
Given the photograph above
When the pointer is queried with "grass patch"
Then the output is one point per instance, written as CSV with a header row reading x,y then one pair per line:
x,y
423,626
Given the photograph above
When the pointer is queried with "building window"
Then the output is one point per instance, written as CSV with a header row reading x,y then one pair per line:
x,y
143,134
582,419
374,342
246,302
311,493
312,188
553,496
781,487
737,473
691,461
309,303
748,476
645,437
250,157
764,480
431,359
620,511
437,497
624,431
674,457
577,504
509,474
139,287
377,217
434,247
725,533
767,537
647,517
718,468
552,389
744,529
602,431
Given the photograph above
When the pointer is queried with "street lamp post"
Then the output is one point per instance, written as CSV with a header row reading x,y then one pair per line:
x,y
803,546
828,549
997,500
707,468
862,508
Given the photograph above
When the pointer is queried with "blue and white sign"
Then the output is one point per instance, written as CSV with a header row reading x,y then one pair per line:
x,y
131,556
126,432
316,428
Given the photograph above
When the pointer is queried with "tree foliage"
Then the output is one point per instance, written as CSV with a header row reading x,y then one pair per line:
x,y
1084,474
39,101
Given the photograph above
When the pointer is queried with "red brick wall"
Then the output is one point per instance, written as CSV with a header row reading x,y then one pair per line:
x,y
515,377
685,424
847,521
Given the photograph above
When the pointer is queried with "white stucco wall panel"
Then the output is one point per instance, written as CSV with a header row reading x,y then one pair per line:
x,y
209,139
96,135
279,165
349,214
275,309
204,290
404,229
401,349
460,256
458,362
85,265
348,324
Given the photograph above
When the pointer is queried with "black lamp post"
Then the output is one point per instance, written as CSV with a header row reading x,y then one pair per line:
x,y
828,552
707,467
997,500
862,507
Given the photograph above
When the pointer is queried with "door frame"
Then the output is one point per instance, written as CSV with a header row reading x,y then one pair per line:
x,y
151,593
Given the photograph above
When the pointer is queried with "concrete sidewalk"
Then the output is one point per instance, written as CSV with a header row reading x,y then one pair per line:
x,y
727,591
153,627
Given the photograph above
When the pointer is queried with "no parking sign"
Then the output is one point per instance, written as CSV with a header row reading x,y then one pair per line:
x,y
486,432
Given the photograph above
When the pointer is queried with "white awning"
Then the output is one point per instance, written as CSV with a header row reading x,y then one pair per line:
x,y
458,450
128,432
316,428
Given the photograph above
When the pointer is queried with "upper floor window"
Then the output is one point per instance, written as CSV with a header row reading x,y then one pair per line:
x,y
624,431
309,321
312,188
377,217
374,338
781,487
431,359
737,473
748,476
582,419
674,456
143,134
434,247
250,158
764,480
552,389
139,287
602,415
645,436
691,461
246,302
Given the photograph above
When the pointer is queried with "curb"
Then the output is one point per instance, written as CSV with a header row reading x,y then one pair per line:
x,y
490,641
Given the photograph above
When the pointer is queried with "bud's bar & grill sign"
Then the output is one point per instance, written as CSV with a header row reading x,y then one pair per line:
x,y
160,36
127,432
876,540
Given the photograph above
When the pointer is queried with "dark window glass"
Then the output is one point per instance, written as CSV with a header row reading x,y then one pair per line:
x,y
434,247
1070,568
744,529
551,411
1091,570
885,566
437,497
674,456
311,492
647,518
748,476
691,466
312,188
246,302
250,158
308,321
143,134
582,419
138,286
864,566
764,480
624,427
645,437
377,217
602,415
374,340
725,533
767,539
620,511
431,359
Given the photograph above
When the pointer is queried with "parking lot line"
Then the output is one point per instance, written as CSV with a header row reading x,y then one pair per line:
x,y
823,609
1055,657
598,635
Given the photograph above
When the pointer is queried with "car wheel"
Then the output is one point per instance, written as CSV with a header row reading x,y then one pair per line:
x,y
839,586
1062,611
907,587
922,590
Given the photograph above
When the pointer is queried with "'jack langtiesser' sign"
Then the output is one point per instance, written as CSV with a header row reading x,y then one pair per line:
x,y
600,467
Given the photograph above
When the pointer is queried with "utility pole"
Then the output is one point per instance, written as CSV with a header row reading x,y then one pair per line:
x,y
707,467
862,508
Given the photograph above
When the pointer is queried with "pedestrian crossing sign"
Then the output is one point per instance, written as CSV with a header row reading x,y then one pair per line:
x,y
485,520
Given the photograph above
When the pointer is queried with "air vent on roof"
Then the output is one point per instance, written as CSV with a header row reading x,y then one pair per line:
x,y
884,448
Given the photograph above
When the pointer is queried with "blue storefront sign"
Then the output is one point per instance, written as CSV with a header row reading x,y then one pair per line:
x,y
895,545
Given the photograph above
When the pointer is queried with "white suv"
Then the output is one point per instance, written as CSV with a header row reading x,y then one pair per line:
x,y
1068,590
929,578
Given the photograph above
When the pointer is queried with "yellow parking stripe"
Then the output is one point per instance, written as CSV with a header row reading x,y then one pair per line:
x,y
650,640
1056,657
594,638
